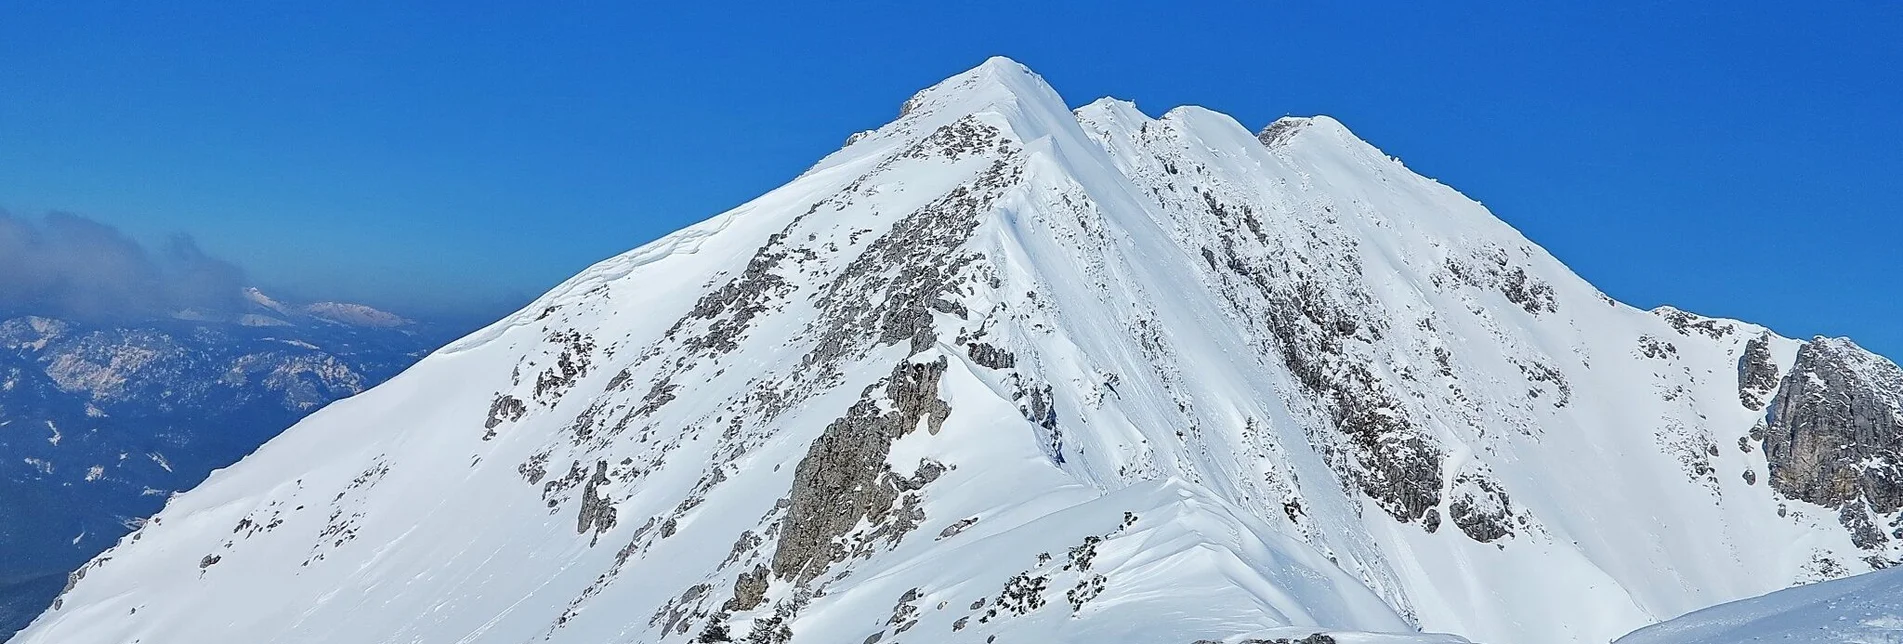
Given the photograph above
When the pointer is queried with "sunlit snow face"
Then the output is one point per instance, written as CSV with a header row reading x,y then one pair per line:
x,y
999,370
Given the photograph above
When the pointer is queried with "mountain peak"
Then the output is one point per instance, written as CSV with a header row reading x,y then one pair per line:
x,y
999,92
1013,370
1000,70
1002,65
996,82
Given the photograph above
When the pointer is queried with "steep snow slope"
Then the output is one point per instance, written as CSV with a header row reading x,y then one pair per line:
x,y
998,371
1865,609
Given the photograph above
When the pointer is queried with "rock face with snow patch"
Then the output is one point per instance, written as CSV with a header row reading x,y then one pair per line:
x,y
1835,436
1001,370
1757,373
845,479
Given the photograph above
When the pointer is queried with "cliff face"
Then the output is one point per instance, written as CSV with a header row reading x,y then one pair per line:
x,y
1757,373
1835,437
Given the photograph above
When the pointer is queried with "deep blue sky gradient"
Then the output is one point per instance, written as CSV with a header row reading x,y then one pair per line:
x,y
1738,160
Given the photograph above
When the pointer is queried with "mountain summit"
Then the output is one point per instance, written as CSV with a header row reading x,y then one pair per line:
x,y
1000,371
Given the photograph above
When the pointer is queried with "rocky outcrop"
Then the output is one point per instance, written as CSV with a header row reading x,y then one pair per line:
x,y
1317,638
1480,508
1757,372
990,357
504,408
597,513
1279,132
1493,268
749,590
1687,324
1835,433
1323,333
844,477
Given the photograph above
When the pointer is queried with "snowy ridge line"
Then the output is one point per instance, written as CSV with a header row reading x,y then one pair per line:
x,y
1001,371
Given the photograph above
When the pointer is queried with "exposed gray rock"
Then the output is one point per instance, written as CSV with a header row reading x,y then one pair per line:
x,y
677,615
1040,406
505,408
574,361
1855,517
1401,468
1480,508
1087,588
660,394
1279,132
889,292
596,512
749,590
990,357
1083,554
1757,372
1321,333
1657,349
1317,638
1689,323
555,491
1835,436
1493,268
534,469
1546,377
957,527
905,612
1532,294
844,476
1022,594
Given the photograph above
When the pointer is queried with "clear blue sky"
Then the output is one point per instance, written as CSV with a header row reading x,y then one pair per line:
x,y
1738,159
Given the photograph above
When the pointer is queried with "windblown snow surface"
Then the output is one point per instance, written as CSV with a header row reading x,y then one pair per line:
x,y
1000,371
1865,609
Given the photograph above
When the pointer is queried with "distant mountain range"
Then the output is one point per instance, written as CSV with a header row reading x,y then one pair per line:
x,y
270,312
100,422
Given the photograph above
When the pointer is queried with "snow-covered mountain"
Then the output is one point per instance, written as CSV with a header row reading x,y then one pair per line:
x,y
101,420
1001,371
268,311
